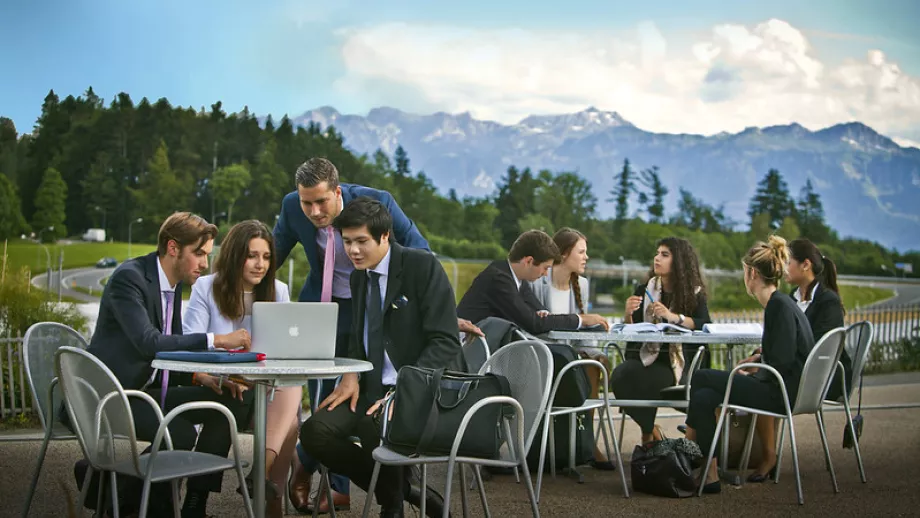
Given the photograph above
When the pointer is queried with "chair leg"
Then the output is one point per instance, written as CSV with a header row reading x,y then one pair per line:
x,y
510,442
451,466
145,497
543,441
38,469
795,462
819,417
712,452
622,425
328,484
174,485
746,453
463,494
370,490
423,491
482,491
859,461
534,497
100,494
114,490
607,428
247,501
779,450
84,491
323,484
552,447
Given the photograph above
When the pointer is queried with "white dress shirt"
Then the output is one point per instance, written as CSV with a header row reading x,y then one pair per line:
x,y
383,268
803,304
165,286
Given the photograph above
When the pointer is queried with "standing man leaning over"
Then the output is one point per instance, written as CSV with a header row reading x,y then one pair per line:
x,y
306,217
404,314
141,314
499,291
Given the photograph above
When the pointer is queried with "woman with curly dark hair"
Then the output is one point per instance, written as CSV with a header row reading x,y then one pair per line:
x,y
674,293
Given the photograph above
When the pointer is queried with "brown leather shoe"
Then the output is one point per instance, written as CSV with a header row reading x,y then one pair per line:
x,y
274,508
300,489
341,501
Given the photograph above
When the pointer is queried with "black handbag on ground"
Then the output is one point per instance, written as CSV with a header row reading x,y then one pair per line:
x,y
429,405
664,468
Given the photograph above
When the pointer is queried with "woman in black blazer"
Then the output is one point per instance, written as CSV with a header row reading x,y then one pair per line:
x,y
787,341
815,279
816,293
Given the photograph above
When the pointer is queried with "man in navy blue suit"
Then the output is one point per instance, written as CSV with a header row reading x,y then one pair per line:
x,y
306,218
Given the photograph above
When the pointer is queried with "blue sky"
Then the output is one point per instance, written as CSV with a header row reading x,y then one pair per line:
x,y
702,61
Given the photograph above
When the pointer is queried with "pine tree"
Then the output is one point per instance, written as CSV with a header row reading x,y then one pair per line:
x,y
12,224
653,200
229,184
810,214
50,202
402,162
624,187
772,198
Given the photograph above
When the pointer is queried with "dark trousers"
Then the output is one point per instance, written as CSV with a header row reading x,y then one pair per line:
x,y
326,436
214,437
707,390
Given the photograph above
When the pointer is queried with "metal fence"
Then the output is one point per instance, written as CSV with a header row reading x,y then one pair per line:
x,y
15,396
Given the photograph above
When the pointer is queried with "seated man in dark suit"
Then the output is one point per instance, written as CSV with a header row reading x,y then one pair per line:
x,y
403,314
141,314
499,290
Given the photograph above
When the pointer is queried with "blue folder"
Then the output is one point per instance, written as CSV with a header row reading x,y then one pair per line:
x,y
210,356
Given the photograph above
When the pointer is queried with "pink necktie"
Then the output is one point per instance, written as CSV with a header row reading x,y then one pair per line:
x,y
328,266
167,330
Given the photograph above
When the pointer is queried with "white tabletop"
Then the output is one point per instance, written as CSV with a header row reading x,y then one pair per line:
x,y
695,337
279,370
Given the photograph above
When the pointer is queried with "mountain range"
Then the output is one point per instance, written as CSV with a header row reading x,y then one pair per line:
x,y
868,183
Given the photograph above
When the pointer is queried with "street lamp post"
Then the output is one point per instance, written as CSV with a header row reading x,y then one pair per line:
x,y
623,266
103,211
454,265
47,256
138,220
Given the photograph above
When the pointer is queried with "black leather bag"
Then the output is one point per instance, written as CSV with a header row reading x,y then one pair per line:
x,y
429,405
664,468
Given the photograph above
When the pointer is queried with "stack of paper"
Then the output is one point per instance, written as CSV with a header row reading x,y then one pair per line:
x,y
744,328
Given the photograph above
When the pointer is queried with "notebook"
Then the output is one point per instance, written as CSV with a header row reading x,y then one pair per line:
x,y
743,328
210,356
648,327
295,330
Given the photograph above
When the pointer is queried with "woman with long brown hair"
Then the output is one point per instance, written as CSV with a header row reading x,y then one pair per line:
x,y
564,290
221,302
674,293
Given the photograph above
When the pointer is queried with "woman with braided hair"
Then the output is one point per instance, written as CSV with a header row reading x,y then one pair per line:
x,y
674,293
564,290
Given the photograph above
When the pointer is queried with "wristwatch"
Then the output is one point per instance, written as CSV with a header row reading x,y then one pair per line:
x,y
680,319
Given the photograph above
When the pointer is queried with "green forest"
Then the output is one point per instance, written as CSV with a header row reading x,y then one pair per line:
x,y
126,165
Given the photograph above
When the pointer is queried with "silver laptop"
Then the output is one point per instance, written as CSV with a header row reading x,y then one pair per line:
x,y
294,330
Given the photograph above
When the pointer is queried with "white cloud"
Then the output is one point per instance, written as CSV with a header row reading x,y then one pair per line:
x,y
736,76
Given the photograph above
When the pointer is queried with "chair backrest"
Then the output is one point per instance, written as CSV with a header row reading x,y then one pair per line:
x,y
819,371
42,340
475,353
528,366
858,341
86,382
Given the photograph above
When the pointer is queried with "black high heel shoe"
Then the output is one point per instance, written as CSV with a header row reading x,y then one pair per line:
x,y
713,488
759,478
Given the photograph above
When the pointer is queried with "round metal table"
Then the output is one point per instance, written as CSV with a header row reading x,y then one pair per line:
x,y
267,373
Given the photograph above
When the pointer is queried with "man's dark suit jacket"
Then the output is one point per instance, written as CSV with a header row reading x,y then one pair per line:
x,y
129,328
495,294
294,227
420,317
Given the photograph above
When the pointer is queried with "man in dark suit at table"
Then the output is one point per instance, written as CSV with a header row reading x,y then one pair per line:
x,y
404,314
306,218
141,314
499,290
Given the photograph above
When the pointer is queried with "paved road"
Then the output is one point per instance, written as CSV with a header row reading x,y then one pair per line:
x,y
88,278
904,294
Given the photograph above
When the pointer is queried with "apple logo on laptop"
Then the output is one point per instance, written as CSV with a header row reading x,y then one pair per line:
x,y
294,331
